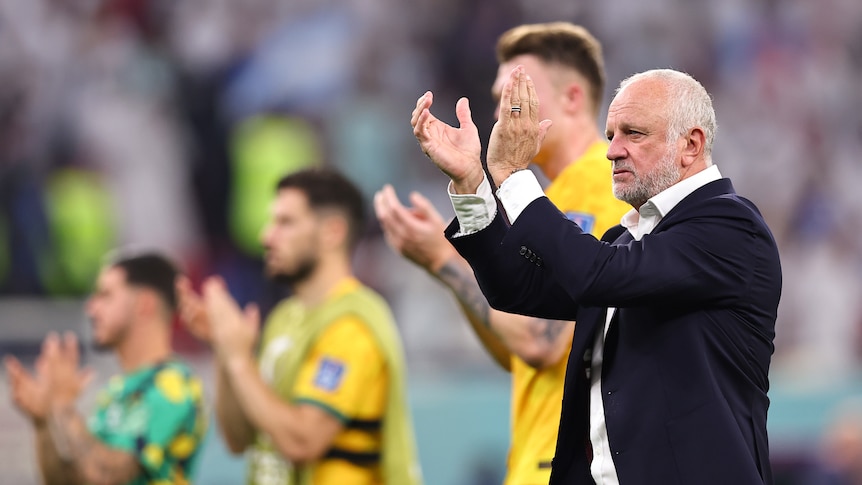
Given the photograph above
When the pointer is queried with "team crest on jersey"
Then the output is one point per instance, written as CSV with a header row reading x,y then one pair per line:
x,y
329,374
583,220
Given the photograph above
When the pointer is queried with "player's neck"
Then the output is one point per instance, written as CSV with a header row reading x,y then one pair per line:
x,y
149,345
317,287
576,139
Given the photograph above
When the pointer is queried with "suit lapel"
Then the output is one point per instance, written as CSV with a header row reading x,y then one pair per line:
x,y
713,189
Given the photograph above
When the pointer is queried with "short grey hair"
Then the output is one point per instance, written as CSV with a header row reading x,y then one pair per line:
x,y
689,103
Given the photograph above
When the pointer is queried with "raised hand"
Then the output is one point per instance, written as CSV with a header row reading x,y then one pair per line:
x,y
192,311
518,133
61,368
455,151
29,392
233,331
415,232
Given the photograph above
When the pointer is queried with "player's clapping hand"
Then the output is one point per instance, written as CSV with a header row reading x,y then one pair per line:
x,y
192,312
416,232
233,331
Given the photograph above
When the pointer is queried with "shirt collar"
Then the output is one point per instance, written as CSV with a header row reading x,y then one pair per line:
x,y
663,202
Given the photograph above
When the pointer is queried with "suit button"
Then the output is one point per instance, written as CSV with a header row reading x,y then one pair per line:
x,y
523,250
532,258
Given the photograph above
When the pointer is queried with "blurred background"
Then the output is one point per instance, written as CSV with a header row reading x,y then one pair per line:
x,y
165,124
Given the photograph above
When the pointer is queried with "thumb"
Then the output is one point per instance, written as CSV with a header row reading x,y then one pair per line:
x,y
423,207
462,111
544,126
251,312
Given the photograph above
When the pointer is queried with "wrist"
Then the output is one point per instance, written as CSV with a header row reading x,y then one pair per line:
x,y
469,183
501,174
239,365
436,268
63,403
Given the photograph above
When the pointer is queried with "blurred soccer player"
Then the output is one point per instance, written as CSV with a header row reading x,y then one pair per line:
x,y
324,400
149,422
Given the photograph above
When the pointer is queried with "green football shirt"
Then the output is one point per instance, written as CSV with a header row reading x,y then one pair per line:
x,y
155,413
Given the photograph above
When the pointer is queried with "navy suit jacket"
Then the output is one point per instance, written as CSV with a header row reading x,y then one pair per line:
x,y
686,357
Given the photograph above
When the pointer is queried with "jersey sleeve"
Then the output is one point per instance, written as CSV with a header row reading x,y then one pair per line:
x,y
169,437
342,367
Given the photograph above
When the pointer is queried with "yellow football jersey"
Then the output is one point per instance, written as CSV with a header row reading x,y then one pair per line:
x,y
583,192
345,374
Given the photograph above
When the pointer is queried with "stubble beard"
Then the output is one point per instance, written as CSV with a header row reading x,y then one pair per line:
x,y
648,184
301,273
113,342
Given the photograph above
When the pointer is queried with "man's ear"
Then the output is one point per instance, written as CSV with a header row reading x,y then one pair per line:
x,y
692,151
148,303
334,231
574,98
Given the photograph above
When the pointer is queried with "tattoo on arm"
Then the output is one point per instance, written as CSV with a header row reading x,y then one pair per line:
x,y
467,290
547,330
93,460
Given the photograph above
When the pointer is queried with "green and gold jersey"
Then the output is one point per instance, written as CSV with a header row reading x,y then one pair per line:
x,y
156,414
343,356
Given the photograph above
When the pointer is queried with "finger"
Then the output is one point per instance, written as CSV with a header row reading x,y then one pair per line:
x,y
506,100
217,299
251,314
524,93
423,122
424,208
403,218
70,348
515,97
185,292
390,222
13,367
51,345
381,209
423,103
544,126
41,367
462,111
534,100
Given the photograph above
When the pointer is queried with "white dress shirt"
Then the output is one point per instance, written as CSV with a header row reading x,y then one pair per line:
x,y
476,211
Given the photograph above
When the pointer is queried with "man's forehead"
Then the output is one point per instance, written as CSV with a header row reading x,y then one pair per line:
x,y
112,275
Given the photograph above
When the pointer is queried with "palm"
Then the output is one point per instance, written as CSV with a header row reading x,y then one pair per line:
x,y
454,150
29,392
192,311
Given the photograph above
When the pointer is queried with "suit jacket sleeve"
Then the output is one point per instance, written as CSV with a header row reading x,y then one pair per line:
x,y
703,253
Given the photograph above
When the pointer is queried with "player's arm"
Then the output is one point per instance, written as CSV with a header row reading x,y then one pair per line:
x,y
30,394
94,462
417,233
538,342
51,467
301,433
237,430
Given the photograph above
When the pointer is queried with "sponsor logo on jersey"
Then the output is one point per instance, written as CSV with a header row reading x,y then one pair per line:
x,y
329,374
583,220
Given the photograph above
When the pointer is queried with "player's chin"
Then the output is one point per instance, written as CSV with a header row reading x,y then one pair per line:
x,y
101,340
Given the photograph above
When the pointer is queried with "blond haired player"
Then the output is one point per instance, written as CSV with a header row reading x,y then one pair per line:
x,y
566,65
